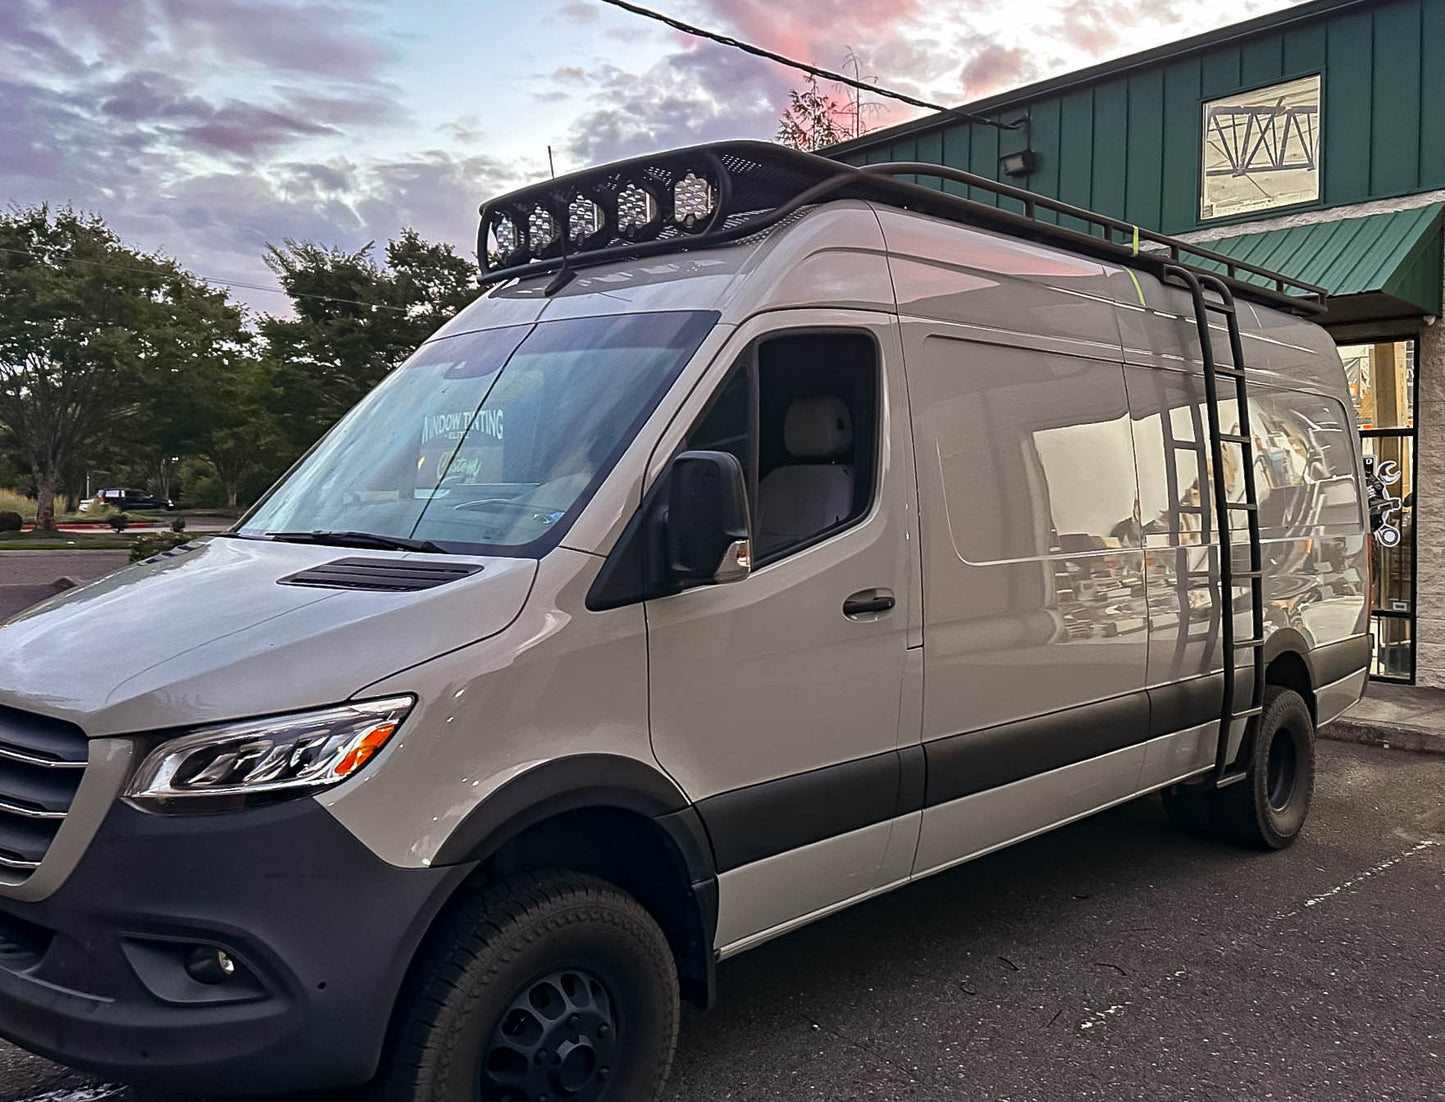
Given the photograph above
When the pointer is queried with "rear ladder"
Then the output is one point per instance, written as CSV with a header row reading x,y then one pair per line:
x,y
1224,509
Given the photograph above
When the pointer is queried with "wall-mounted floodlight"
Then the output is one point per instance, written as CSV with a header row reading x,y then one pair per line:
x,y
1021,163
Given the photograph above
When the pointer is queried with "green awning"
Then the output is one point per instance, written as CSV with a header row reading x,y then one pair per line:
x,y
1379,266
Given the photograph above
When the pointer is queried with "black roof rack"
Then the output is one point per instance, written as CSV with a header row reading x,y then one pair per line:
x,y
713,194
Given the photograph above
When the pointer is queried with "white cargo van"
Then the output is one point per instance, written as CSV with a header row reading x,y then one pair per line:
x,y
771,534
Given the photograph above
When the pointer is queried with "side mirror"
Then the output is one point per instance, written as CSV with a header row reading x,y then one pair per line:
x,y
708,534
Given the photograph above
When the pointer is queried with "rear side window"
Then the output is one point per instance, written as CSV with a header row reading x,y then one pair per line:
x,y
1303,449
800,413
1032,450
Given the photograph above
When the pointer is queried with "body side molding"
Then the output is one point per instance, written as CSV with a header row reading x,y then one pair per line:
x,y
773,817
961,765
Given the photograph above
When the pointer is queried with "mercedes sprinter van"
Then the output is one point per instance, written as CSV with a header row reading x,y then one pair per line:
x,y
771,534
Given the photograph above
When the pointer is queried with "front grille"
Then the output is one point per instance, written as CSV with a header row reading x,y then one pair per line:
x,y
42,761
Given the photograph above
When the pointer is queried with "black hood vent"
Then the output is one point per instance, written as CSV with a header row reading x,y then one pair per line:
x,y
380,575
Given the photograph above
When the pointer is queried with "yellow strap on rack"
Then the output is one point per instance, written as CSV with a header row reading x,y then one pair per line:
x,y
1137,289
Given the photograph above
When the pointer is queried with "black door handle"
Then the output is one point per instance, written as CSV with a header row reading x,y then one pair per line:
x,y
867,602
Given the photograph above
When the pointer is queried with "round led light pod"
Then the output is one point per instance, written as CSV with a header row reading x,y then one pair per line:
x,y
542,231
693,202
504,239
585,221
637,212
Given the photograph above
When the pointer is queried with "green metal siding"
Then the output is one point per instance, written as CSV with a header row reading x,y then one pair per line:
x,y
1128,143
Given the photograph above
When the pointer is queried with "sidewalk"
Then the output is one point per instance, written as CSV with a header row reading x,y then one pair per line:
x,y
1402,717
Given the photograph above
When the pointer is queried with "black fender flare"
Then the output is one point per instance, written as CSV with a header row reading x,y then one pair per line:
x,y
583,782
1287,640
1325,662
575,783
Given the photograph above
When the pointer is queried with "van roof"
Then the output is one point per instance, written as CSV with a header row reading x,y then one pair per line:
x,y
715,194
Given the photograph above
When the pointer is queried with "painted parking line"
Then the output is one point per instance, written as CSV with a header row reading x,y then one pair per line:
x,y
1373,870
1095,1018
79,1094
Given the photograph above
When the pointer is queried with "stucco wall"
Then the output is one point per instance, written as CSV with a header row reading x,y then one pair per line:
x,y
1430,509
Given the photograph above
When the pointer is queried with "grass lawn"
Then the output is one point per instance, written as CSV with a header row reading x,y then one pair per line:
x,y
64,541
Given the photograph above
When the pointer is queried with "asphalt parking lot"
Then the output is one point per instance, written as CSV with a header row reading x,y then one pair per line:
x,y
27,577
1114,959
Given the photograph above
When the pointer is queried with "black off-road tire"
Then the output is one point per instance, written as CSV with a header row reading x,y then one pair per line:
x,y
500,963
1267,809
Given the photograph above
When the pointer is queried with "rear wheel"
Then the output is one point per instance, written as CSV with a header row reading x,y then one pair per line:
x,y
555,987
1267,809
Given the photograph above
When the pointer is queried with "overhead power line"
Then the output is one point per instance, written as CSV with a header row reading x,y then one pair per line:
x,y
209,279
803,66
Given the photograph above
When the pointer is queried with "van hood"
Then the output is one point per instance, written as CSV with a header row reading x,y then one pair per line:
x,y
208,634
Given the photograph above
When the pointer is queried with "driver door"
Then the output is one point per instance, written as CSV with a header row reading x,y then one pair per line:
x,y
775,701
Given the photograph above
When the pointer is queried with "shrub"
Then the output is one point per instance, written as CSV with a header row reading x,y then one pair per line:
x,y
153,543
11,522
119,522
14,502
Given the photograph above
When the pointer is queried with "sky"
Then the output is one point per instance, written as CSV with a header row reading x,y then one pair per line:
x,y
205,129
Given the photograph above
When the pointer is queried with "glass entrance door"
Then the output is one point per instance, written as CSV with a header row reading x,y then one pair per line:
x,y
1382,384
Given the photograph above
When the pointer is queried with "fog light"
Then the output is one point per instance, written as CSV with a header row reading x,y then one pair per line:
x,y
209,965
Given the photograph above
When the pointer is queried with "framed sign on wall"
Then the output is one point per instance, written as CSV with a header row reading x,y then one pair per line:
x,y
1261,149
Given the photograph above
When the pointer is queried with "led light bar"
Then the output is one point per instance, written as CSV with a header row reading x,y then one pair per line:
x,y
713,194
644,203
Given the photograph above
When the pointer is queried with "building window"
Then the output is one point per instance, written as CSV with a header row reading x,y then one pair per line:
x,y
1382,385
1261,149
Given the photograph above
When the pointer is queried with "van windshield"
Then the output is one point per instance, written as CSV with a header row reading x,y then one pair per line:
x,y
487,442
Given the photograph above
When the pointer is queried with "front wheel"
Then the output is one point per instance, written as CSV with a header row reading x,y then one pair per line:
x,y
1267,808
553,987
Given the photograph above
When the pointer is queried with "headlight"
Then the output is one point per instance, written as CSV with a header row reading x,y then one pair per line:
x,y
271,758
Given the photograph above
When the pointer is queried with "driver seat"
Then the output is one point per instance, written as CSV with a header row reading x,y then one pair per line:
x,y
815,492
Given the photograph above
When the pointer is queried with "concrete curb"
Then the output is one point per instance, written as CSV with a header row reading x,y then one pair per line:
x,y
1393,736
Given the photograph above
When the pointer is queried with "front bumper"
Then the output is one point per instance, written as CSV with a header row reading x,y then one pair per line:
x,y
93,976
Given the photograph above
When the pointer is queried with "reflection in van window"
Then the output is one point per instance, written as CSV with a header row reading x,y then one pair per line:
x,y
1304,460
491,441
1033,450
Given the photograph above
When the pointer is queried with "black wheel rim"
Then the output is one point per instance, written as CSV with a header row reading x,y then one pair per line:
x,y
555,1042
1283,769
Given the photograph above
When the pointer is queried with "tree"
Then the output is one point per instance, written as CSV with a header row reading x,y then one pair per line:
x,y
354,321
814,119
83,318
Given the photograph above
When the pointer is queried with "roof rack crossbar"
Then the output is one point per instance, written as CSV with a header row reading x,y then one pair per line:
x,y
758,184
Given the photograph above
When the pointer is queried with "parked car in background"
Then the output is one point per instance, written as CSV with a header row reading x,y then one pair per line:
x,y
132,499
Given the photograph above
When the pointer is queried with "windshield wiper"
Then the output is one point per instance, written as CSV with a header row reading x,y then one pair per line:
x,y
359,539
